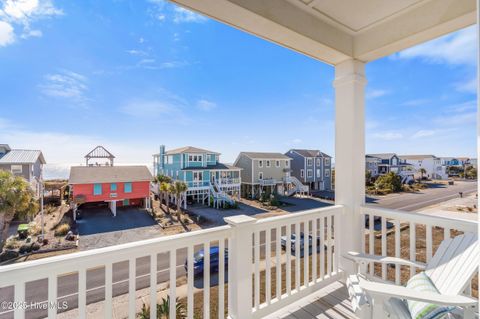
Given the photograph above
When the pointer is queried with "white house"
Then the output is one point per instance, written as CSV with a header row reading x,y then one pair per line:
x,y
432,165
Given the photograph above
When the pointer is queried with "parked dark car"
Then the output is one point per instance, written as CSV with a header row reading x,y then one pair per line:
x,y
198,260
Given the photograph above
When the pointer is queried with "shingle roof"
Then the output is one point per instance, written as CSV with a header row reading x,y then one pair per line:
x,y
108,174
219,166
416,156
310,153
264,155
189,149
382,155
22,157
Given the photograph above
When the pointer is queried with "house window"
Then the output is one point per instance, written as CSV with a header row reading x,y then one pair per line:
x,y
169,159
277,163
197,176
287,163
17,169
127,187
260,163
302,173
268,163
318,162
309,162
113,187
309,173
327,172
327,162
97,189
318,172
260,175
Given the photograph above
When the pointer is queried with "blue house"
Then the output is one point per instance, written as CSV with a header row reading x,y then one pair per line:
x,y
201,170
312,168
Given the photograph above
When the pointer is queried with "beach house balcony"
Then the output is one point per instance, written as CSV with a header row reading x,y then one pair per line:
x,y
260,271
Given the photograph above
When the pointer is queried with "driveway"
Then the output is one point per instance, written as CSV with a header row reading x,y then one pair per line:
x,y
101,220
98,228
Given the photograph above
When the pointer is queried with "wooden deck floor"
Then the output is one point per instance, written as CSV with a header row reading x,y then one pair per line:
x,y
330,302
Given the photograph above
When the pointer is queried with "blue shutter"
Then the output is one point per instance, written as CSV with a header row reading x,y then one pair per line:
x,y
127,187
97,189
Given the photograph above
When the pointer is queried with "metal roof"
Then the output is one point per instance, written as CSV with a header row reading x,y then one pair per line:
x,y
108,174
22,157
264,155
189,149
310,153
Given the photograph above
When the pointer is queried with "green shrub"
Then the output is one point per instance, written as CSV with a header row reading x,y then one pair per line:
x,y
389,182
62,229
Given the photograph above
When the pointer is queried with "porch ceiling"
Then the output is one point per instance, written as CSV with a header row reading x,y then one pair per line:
x,y
333,31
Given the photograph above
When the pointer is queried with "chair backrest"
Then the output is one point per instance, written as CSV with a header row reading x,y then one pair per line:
x,y
454,264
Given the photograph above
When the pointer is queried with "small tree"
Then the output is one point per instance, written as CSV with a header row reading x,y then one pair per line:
x,y
159,179
165,191
178,189
16,199
390,181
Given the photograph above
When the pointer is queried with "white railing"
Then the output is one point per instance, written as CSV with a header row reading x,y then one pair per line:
x,y
229,181
406,235
267,182
96,280
286,269
299,186
198,184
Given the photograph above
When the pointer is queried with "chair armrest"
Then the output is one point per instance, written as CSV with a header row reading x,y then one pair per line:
x,y
387,290
359,257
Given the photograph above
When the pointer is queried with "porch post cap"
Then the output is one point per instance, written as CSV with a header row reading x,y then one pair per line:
x,y
239,220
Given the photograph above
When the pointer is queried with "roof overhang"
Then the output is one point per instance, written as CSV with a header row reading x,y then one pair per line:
x,y
334,31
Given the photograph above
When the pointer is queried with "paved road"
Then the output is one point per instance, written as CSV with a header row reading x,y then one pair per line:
x,y
423,199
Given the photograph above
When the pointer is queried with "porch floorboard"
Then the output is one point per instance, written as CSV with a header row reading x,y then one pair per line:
x,y
331,302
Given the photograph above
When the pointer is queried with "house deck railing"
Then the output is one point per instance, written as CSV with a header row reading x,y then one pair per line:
x,y
407,235
265,258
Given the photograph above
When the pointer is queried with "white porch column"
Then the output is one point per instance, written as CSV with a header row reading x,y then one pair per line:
x,y
349,86
240,256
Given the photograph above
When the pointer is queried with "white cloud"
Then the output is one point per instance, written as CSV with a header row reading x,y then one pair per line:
x,y
135,52
423,133
24,13
456,120
372,94
388,136
65,84
456,49
7,35
416,102
469,86
205,105
183,15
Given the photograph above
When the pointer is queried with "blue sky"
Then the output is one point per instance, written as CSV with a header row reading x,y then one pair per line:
x,y
131,75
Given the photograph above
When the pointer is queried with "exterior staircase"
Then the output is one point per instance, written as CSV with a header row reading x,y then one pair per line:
x,y
219,196
298,188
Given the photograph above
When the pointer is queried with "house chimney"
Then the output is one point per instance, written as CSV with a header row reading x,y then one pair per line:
x,y
162,157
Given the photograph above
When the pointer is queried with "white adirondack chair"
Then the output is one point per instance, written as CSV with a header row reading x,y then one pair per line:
x,y
450,269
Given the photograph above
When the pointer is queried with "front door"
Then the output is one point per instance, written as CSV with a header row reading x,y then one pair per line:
x,y
126,202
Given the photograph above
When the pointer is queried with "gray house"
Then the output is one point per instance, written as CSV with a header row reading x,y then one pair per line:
x,y
312,168
25,163
263,172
